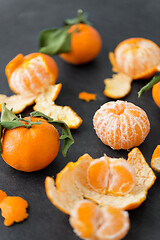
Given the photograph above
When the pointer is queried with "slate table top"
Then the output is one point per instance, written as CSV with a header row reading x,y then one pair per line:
x,y
20,24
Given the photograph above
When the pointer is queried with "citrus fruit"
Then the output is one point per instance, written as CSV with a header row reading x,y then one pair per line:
x,y
85,44
2,195
87,96
111,175
89,221
155,161
13,209
156,93
30,149
121,125
31,74
71,185
136,57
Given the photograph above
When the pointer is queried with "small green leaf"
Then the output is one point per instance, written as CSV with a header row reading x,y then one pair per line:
x,y
7,115
41,115
149,85
81,18
0,138
55,41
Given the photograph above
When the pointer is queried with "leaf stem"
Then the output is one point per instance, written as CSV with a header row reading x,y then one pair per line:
x,y
149,85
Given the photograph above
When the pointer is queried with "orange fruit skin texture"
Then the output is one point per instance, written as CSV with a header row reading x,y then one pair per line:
x,y
136,57
87,96
85,44
13,209
121,125
155,161
2,195
30,149
31,74
90,221
156,93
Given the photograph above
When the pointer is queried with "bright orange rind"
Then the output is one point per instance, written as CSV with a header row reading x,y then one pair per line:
x,y
136,57
2,195
13,209
121,125
155,161
91,222
71,185
87,96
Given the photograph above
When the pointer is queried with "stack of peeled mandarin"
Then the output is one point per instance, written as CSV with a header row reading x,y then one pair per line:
x,y
96,193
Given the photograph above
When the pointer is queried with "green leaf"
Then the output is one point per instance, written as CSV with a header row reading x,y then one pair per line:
x,y
7,115
66,133
55,41
149,85
81,18
0,138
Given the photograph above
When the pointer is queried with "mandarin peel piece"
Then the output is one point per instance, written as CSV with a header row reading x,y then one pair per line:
x,y
61,113
87,96
13,209
121,125
71,185
2,195
136,57
90,221
118,86
155,161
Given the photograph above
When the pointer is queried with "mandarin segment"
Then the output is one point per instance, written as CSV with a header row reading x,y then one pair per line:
x,y
13,209
118,86
31,74
136,57
91,222
72,185
121,125
155,161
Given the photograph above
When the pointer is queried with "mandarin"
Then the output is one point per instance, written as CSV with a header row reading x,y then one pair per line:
x,y
155,161
31,74
136,57
85,44
111,175
90,221
156,93
30,149
121,125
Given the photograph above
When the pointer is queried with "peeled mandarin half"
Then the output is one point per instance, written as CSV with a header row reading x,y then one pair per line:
x,y
121,125
155,161
89,221
72,185
136,57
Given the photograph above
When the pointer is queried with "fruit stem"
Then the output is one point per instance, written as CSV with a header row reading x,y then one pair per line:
x,y
79,18
149,85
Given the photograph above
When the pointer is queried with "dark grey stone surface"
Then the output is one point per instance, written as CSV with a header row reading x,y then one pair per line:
x,y
20,24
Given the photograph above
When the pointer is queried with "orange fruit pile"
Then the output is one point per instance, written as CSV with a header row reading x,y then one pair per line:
x,y
71,184
111,175
89,221
33,152
121,125
85,44
31,74
13,209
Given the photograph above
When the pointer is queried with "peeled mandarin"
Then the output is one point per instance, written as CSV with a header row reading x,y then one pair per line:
x,y
91,222
121,125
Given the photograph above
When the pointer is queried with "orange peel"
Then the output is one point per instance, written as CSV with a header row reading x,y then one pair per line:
x,y
71,185
13,209
87,96
89,221
118,86
155,161
2,195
